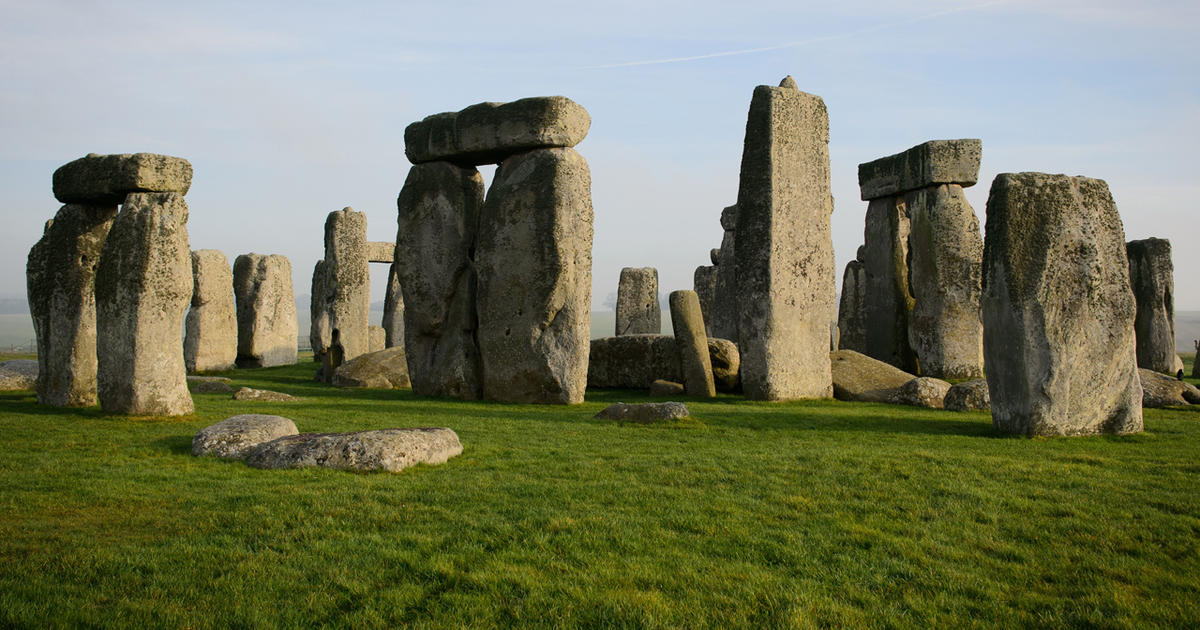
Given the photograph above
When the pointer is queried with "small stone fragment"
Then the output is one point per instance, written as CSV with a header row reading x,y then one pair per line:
x,y
644,412
924,392
968,396
726,364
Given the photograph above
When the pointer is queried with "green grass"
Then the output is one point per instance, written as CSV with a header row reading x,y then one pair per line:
x,y
755,515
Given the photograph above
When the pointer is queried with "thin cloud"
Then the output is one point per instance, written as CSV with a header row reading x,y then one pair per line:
x,y
803,42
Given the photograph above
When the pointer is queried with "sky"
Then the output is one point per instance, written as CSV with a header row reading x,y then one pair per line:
x,y
290,110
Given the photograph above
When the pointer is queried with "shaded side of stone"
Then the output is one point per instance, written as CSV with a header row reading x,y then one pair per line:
x,y
638,311
393,310
852,316
266,310
1152,278
319,298
968,396
889,301
725,299
704,283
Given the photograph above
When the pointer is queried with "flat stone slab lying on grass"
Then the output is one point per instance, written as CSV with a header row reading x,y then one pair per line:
x,y
390,450
969,396
1160,390
857,377
236,437
644,412
384,369
17,374
666,388
264,395
212,387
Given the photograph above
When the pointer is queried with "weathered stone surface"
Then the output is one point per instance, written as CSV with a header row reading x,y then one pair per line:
x,y
704,283
349,280
266,310
438,219
318,332
390,450
888,304
945,266
1058,312
377,338
1178,365
644,412
726,364
714,255
636,361
381,252
725,299
666,388
1152,278
487,133
852,314
17,374
924,391
210,340
968,396
212,387
393,311
238,436
862,378
1160,390
784,249
638,312
263,395
106,179
60,279
534,259
692,344
143,288
383,369
928,164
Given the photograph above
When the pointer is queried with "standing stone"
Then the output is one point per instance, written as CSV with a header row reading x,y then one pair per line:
x,y
704,283
349,280
692,344
535,276
888,301
393,310
210,342
946,257
60,279
266,310
1152,277
438,219
143,288
1058,312
784,248
852,315
725,299
376,338
638,312
318,333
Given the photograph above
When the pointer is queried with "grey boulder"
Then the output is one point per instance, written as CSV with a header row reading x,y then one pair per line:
x,y
1160,390
236,437
644,412
968,396
390,450
384,369
263,395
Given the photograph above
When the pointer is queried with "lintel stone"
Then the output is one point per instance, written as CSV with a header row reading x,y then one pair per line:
x,y
927,164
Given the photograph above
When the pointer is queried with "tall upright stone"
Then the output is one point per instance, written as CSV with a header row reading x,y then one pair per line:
x,y
852,315
1152,277
393,309
266,310
784,249
319,298
725,299
534,258
349,280
1058,311
704,283
691,343
60,278
638,311
438,221
885,265
143,288
210,338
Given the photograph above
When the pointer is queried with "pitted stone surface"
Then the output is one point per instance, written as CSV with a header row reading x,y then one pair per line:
x,y
349,288
390,450
1160,390
692,344
438,219
488,133
924,391
1058,312
383,369
263,395
636,361
106,179
210,341
784,248
61,279
534,260
861,378
238,436
266,310
968,396
644,412
1152,277
927,164
638,311
381,251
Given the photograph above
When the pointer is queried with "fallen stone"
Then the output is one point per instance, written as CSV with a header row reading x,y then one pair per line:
x,y
1058,311
390,450
210,340
1160,390
381,251
143,288
644,412
106,179
638,312
212,387
968,396
923,391
266,311
927,164
263,395
534,264
488,133
692,344
238,436
666,388
858,377
383,369
61,281
1152,278
18,374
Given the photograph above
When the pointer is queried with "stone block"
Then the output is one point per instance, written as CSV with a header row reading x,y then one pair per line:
x,y
106,179
927,164
488,133
692,344
638,311
266,310
210,339
1152,278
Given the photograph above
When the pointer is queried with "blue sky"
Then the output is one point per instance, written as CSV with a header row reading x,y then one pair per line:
x,y
291,110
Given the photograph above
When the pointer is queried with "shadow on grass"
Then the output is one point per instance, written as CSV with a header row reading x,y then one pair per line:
x,y
175,444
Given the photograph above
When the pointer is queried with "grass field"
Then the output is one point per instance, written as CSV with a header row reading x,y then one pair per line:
x,y
755,515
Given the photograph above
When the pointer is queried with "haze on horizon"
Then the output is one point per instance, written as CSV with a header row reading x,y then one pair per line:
x,y
289,111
